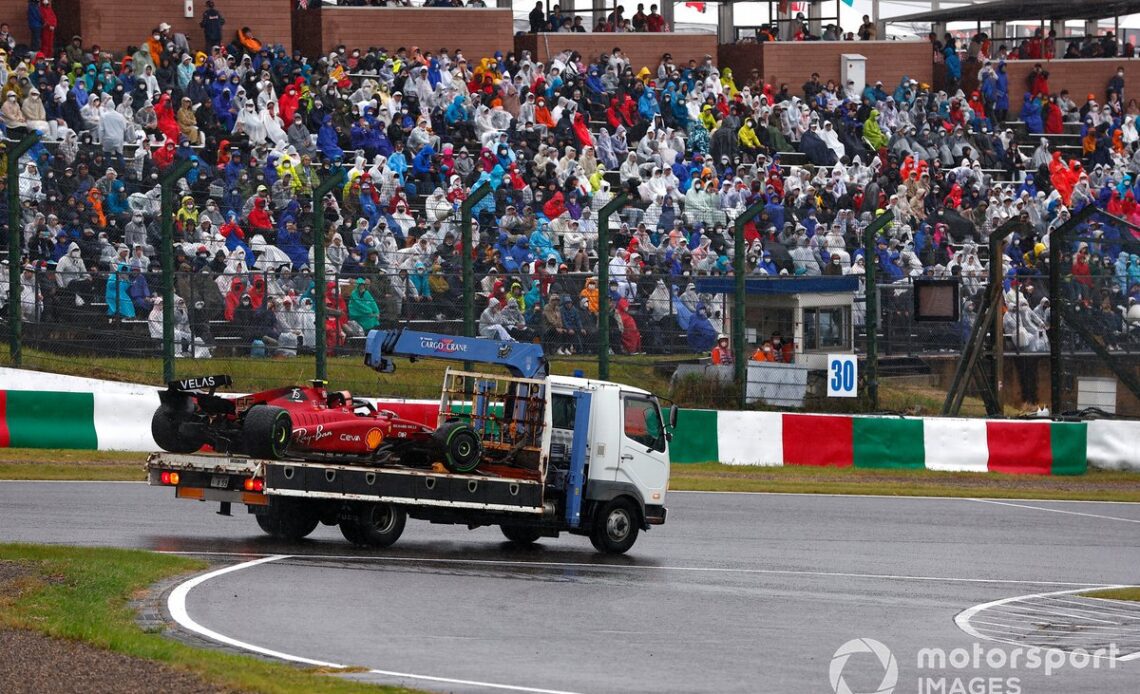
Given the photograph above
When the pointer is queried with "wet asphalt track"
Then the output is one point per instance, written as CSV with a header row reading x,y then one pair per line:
x,y
746,593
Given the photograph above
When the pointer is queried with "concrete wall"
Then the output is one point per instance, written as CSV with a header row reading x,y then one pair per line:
x,y
477,32
794,63
643,50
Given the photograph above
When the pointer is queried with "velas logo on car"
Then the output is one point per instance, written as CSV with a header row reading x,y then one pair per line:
x,y
444,344
857,646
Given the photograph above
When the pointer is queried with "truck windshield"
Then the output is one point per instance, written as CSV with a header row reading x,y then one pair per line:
x,y
643,424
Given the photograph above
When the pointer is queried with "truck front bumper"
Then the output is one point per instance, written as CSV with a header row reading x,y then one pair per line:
x,y
655,515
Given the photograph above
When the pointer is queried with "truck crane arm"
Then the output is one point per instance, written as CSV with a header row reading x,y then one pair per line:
x,y
522,359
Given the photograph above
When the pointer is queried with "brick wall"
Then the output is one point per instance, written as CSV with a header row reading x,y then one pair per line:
x,y
114,24
15,12
642,49
793,62
1080,77
478,32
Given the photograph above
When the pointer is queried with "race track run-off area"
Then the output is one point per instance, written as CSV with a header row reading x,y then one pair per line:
x,y
737,592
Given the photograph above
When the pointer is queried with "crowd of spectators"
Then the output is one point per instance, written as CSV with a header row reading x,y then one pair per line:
x,y
416,132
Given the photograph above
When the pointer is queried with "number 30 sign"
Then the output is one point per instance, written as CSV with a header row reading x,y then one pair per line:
x,y
842,375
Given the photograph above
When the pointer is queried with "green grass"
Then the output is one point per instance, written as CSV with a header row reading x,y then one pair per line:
x,y
82,594
422,379
55,464
1096,485
1132,593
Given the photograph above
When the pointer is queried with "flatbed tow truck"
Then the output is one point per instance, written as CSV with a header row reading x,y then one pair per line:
x,y
555,454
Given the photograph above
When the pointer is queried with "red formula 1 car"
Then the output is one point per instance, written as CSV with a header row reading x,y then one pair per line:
x,y
304,422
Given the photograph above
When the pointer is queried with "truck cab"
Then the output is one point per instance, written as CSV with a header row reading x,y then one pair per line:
x,y
628,448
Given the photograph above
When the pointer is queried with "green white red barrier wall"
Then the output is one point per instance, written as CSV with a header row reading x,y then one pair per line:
x,y
1009,446
88,414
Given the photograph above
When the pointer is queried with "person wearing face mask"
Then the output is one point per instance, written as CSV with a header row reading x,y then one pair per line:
x,y
71,275
13,115
251,125
1116,86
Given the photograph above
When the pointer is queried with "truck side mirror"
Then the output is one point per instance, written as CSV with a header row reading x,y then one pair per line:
x,y
673,411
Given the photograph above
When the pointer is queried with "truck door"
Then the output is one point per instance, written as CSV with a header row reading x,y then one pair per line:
x,y
643,446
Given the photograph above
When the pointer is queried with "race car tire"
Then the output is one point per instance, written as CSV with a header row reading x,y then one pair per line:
x,y
461,446
615,526
164,429
376,525
288,519
520,535
266,432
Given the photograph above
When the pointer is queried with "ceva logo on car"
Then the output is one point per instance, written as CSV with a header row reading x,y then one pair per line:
x,y
445,344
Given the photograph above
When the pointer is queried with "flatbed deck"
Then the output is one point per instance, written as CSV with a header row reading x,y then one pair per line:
x,y
216,477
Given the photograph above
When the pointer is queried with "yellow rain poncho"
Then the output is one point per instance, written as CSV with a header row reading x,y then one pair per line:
x,y
728,83
872,133
747,136
707,118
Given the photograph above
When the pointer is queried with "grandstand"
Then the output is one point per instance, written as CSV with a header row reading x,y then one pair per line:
x,y
417,114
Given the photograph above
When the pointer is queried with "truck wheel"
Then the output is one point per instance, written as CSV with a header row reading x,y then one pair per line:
x,y
164,429
351,531
266,432
377,525
615,527
521,535
288,520
462,447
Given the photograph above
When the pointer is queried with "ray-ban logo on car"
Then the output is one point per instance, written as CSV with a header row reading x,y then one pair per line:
x,y
858,646
443,344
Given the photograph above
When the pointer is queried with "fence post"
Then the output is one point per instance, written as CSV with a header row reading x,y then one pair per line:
x,y
15,241
740,272
467,241
1058,241
320,311
166,184
604,215
871,305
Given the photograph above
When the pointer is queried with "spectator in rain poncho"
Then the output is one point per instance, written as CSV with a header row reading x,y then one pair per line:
x,y
362,307
701,333
872,133
268,257
117,294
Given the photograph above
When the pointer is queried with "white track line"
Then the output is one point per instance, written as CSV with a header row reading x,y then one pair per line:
x,y
962,619
1102,611
1129,603
1033,609
176,603
880,496
693,569
1056,510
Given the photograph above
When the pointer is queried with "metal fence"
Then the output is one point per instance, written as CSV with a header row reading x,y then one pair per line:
x,y
269,323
